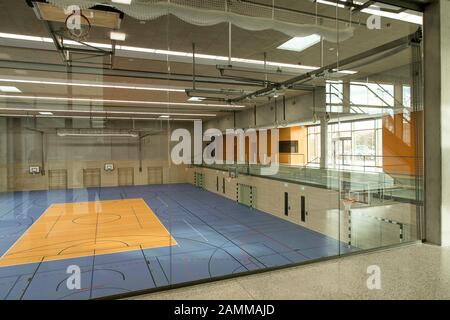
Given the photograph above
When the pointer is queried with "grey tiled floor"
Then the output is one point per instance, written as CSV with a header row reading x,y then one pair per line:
x,y
416,271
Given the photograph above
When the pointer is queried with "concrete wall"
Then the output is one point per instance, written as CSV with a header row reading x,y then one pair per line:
x,y
298,108
325,212
21,146
321,204
436,119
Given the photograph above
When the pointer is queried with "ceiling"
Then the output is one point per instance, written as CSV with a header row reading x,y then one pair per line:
x,y
36,61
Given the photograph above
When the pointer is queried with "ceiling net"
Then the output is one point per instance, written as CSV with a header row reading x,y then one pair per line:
x,y
248,16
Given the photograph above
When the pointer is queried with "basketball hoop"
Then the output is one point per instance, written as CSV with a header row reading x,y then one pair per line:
x,y
232,173
348,203
78,25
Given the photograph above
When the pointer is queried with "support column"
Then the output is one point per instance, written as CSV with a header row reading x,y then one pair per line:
x,y
346,97
323,142
3,155
437,122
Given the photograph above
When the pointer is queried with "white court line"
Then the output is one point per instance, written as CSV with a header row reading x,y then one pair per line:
x,y
162,201
162,224
196,230
165,204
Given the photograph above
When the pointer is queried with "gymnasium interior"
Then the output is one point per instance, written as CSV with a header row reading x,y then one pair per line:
x,y
311,112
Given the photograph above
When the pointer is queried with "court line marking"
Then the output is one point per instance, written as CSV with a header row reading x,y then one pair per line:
x,y
229,239
11,289
147,264
53,225
199,233
162,201
23,234
172,243
162,269
137,218
167,206
31,279
160,222
92,275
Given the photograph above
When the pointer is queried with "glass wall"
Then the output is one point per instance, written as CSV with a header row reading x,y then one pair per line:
x,y
362,152
161,143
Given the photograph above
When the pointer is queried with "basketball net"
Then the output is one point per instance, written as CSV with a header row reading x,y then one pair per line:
x,y
348,203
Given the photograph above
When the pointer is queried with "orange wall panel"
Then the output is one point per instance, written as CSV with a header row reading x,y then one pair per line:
x,y
399,143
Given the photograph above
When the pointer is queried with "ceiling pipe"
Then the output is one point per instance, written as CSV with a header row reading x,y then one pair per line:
x,y
48,67
193,66
403,42
301,12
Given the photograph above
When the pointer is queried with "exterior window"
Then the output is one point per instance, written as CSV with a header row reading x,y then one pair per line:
x,y
406,99
335,96
355,145
369,97
314,144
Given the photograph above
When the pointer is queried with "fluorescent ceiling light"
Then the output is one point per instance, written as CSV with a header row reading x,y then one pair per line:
x,y
87,134
25,37
402,16
211,58
330,3
300,43
345,71
91,112
9,89
89,117
117,36
90,100
91,85
164,117
196,99
46,113
121,1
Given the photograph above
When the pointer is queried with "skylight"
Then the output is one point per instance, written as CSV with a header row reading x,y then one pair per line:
x,y
300,43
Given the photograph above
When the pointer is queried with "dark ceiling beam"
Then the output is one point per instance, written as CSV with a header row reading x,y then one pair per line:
x,y
416,5
403,42
363,6
48,67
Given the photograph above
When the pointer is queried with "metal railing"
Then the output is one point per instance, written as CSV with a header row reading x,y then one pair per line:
x,y
356,108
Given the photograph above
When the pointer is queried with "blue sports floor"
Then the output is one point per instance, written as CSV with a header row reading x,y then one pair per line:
x,y
215,236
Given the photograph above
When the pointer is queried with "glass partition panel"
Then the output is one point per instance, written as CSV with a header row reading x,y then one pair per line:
x,y
157,143
382,198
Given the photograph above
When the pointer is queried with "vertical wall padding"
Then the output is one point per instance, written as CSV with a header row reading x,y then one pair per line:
x,y
126,176
92,178
247,195
57,179
155,175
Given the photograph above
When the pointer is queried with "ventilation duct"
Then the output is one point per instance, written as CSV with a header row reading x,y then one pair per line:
x,y
209,13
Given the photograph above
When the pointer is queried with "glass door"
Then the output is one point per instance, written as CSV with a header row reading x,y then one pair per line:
x,y
342,152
